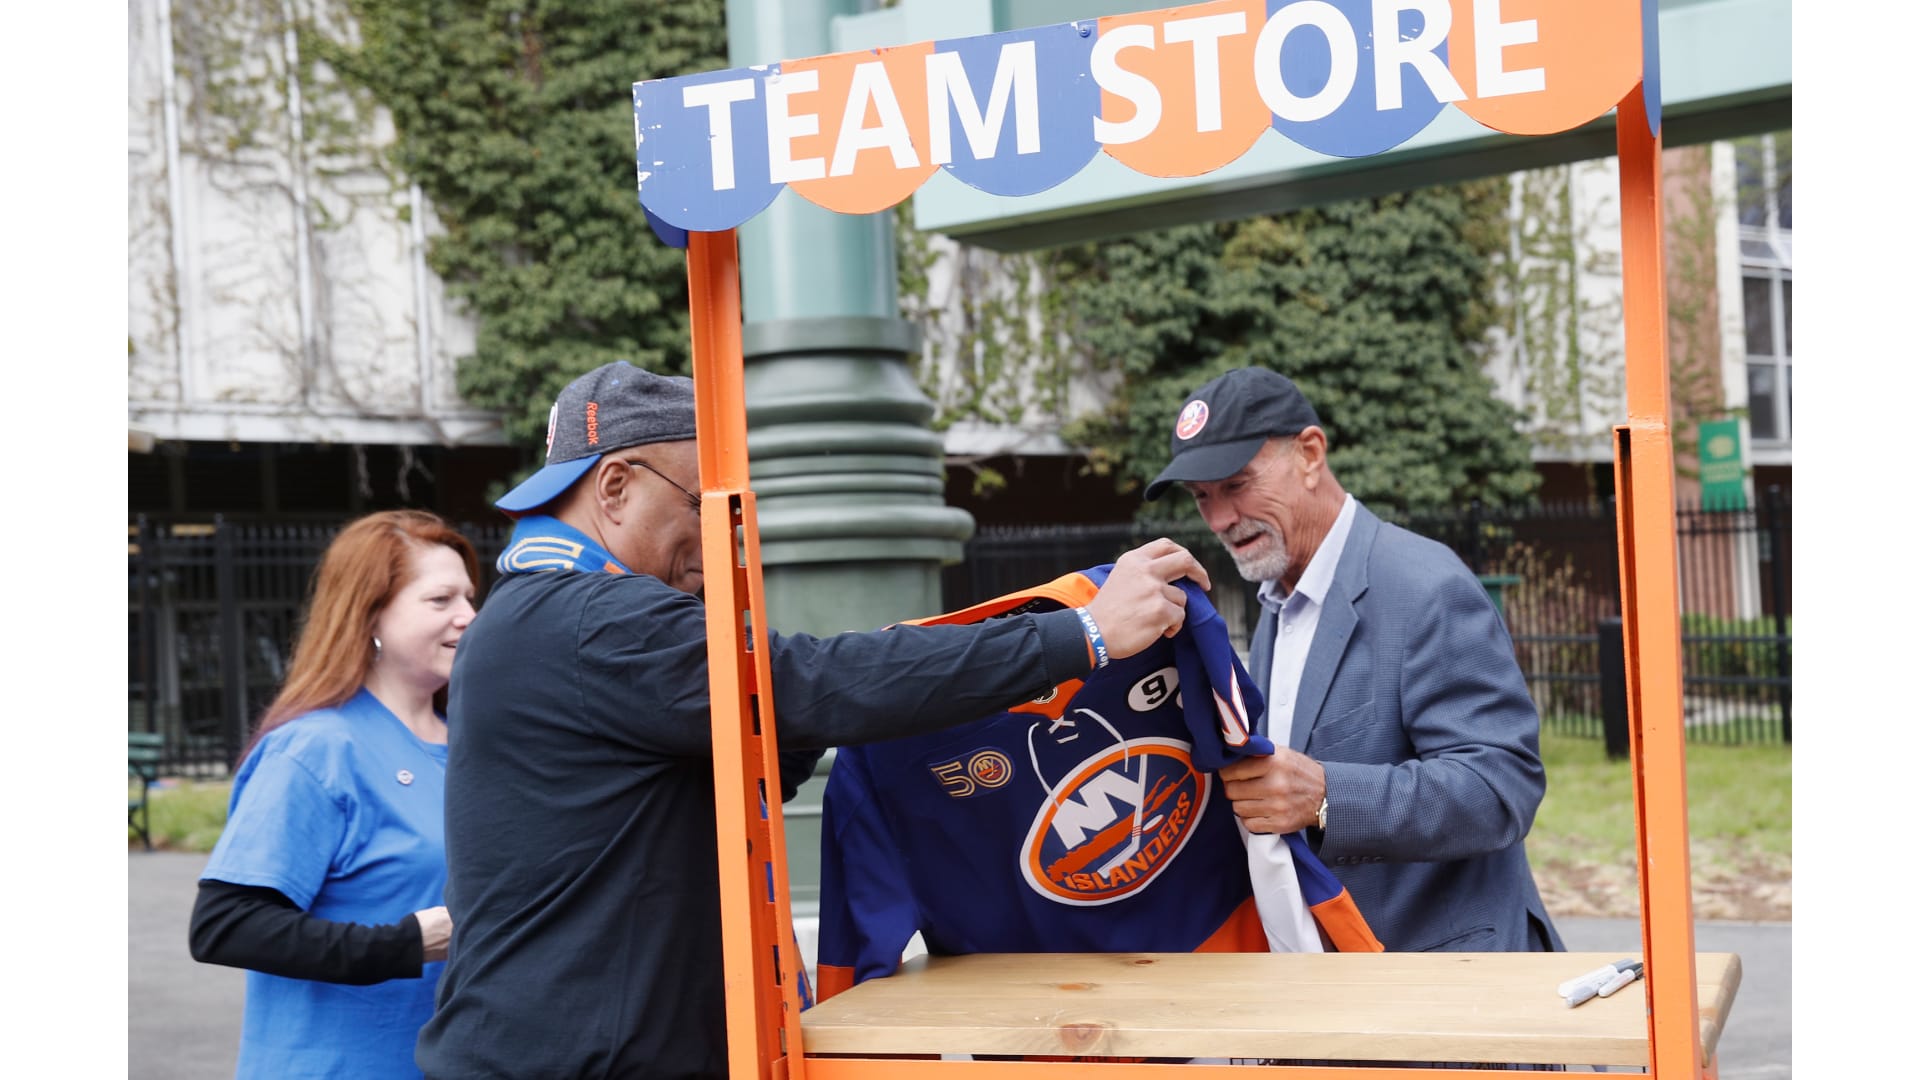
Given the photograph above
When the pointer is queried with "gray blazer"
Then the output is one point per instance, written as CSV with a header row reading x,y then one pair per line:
x,y
1413,703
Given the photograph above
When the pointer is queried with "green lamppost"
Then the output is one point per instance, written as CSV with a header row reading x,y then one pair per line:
x,y
853,521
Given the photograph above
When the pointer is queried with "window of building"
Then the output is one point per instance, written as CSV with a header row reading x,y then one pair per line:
x,y
1764,171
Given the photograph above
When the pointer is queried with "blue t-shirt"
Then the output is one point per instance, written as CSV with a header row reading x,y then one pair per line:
x,y
343,811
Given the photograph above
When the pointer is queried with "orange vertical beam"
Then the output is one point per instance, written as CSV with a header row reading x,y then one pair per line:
x,y
1650,611
762,965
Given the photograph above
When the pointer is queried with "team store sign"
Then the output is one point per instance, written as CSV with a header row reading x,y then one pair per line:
x,y
1172,93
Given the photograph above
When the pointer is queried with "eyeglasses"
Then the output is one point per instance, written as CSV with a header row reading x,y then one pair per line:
x,y
693,501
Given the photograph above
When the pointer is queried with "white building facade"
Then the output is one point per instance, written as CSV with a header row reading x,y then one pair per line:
x,y
278,289
1560,357
279,292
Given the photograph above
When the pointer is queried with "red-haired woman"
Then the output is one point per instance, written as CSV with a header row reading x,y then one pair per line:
x,y
327,881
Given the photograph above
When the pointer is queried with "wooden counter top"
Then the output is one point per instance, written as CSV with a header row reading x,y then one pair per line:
x,y
1482,1007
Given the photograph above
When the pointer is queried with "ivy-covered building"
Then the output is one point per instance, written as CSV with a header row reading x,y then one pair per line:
x,y
289,352
295,346
1557,352
1022,350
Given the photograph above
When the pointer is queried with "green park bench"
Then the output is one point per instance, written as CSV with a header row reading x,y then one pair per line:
x,y
143,766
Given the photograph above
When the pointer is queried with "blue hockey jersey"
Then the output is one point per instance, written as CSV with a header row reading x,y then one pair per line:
x,y
1087,820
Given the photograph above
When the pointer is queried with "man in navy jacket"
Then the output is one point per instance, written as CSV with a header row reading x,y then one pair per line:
x,y
582,872
1410,749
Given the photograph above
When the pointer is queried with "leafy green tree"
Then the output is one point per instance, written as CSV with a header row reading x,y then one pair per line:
x,y
1372,306
515,119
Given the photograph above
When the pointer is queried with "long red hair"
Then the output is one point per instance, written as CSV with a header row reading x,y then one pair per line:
x,y
363,568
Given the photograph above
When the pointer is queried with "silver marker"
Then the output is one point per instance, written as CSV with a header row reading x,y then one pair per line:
x,y
1597,976
1620,980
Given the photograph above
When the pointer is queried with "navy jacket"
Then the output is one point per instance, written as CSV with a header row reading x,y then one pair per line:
x,y
1412,701
582,875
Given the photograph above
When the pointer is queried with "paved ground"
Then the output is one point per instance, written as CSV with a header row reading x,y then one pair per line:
x,y
1758,1042
183,1018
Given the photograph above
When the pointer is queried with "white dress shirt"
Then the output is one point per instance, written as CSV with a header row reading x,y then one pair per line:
x,y
1276,885
1299,617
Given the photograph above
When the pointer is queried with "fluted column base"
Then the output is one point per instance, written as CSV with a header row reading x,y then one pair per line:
x,y
853,523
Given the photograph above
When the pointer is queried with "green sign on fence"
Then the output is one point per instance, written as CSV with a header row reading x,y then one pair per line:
x,y
1723,471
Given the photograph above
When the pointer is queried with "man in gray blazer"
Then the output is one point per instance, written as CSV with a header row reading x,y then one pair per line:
x,y
1407,744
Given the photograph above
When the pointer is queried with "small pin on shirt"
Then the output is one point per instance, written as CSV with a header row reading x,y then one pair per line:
x,y
405,776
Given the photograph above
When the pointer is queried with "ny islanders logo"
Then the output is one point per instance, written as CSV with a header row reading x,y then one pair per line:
x,y
1115,820
1192,419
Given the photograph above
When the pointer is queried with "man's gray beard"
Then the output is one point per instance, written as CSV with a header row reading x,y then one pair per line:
x,y
1264,567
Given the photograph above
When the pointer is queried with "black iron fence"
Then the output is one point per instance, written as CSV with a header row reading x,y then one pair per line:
x,y
1555,572
212,609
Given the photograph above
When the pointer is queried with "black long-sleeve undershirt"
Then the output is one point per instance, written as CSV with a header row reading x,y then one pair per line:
x,y
253,927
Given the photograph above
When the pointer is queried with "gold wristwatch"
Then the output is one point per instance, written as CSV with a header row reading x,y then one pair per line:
x,y
1320,816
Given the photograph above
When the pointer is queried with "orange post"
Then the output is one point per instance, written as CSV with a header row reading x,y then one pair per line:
x,y
762,965
1650,611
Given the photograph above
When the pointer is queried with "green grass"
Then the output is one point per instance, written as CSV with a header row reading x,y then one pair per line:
x,y
186,815
1739,805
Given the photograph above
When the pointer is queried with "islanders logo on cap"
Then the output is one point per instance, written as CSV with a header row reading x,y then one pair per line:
x,y
1114,822
1192,419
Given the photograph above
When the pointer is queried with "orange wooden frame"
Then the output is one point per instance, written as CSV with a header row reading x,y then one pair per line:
x,y
762,967
761,959
1650,610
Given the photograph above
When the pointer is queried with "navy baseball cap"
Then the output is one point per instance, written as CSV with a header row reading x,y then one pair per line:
x,y
612,407
1226,422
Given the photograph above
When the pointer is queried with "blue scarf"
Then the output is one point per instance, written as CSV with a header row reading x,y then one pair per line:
x,y
541,544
